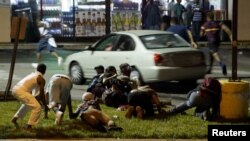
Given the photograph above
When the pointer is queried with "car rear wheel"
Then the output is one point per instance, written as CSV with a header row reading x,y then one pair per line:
x,y
76,74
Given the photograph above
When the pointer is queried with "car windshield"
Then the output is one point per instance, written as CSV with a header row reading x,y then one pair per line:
x,y
159,41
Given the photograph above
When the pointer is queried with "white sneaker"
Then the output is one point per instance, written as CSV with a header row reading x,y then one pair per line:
x,y
51,105
34,65
59,115
60,61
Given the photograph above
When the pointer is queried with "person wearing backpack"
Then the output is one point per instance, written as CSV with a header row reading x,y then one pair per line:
x,y
205,97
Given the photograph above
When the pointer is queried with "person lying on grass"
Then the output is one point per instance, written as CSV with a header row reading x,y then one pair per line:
x,y
90,112
141,100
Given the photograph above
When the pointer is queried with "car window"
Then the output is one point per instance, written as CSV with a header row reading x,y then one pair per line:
x,y
158,41
125,43
107,44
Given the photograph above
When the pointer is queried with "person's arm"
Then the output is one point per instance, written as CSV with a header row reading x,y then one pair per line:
x,y
41,83
105,80
194,45
202,31
227,30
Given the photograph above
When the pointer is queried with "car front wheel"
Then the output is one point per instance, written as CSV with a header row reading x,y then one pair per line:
x,y
76,74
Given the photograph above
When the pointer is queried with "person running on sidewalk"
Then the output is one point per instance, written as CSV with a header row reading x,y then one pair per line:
x,y
58,95
46,41
22,91
211,30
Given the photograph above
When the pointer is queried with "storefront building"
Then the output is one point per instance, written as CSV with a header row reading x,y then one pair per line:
x,y
81,20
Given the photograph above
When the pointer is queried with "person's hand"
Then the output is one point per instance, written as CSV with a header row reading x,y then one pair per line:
x,y
194,45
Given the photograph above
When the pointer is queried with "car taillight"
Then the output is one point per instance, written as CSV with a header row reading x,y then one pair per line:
x,y
157,58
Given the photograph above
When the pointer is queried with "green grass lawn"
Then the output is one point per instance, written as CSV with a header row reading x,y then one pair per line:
x,y
179,126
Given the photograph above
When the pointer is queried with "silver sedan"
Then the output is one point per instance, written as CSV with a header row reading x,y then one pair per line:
x,y
157,55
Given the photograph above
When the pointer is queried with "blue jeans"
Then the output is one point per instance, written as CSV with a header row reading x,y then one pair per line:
x,y
43,43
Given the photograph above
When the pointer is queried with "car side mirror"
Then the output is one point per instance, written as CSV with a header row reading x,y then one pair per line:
x,y
89,47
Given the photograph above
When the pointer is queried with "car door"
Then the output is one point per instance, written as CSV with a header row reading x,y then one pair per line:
x,y
100,53
123,52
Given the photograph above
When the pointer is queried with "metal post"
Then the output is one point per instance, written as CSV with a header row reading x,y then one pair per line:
x,y
107,16
13,59
41,12
234,36
74,23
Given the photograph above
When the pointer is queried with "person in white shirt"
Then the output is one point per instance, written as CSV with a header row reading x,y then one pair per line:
x,y
58,95
22,91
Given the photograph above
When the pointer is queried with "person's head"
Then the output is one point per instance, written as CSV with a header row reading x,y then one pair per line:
x,y
211,85
87,96
99,69
110,70
197,1
210,16
125,69
41,68
174,21
178,1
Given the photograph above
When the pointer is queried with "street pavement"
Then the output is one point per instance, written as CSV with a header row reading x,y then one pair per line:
x,y
27,56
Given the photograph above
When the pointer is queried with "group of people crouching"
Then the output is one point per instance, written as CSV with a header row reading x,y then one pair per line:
x,y
122,91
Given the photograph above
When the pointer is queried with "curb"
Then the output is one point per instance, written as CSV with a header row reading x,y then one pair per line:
x,y
8,98
32,46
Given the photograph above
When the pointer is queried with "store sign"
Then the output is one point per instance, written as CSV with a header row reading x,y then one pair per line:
x,y
4,3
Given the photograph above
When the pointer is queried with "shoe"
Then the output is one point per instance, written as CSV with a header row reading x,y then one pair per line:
x,y
14,121
60,61
34,65
224,70
114,128
139,112
129,112
51,105
59,115
28,128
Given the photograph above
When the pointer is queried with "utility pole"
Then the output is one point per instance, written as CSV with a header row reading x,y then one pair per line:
x,y
235,38
107,16
18,29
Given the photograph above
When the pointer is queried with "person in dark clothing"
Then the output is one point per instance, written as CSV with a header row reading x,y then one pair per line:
x,y
141,105
151,15
142,101
211,30
115,97
182,31
205,97
96,86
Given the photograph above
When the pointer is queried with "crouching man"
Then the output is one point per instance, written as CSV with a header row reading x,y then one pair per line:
x,y
59,96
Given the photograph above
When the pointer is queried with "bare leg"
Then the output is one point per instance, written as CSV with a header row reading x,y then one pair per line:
x,y
59,59
55,54
38,57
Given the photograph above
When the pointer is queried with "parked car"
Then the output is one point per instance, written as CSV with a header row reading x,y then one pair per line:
x,y
157,55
